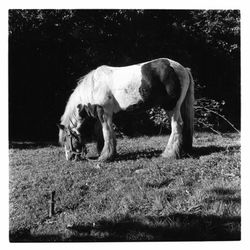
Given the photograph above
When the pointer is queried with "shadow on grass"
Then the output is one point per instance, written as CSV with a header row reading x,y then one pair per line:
x,y
222,191
226,195
24,235
196,153
176,227
138,154
31,145
202,151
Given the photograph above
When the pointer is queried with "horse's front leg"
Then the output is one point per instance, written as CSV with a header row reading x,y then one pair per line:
x,y
109,149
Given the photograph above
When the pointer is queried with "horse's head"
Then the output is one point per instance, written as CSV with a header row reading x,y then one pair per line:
x,y
72,141
74,136
70,137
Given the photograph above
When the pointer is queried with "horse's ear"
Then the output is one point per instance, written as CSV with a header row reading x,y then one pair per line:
x,y
60,126
79,108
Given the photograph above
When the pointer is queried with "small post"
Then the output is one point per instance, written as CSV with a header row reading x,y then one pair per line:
x,y
52,204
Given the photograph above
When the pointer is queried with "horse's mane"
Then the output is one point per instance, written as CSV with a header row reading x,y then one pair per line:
x,y
75,99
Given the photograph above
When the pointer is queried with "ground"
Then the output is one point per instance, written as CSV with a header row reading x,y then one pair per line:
x,y
138,197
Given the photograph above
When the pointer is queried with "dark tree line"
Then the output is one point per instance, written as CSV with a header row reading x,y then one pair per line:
x,y
50,49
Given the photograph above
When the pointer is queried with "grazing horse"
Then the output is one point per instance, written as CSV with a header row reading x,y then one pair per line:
x,y
108,90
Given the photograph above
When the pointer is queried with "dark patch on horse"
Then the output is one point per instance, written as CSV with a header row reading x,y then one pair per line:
x,y
90,110
93,110
100,112
159,85
91,128
93,115
137,106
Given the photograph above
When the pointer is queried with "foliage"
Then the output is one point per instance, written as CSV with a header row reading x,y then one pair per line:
x,y
219,28
159,117
50,49
205,111
207,116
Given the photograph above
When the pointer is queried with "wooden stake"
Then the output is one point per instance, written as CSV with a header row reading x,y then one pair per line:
x,y
52,204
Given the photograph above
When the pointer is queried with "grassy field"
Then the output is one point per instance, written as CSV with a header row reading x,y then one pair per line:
x,y
138,197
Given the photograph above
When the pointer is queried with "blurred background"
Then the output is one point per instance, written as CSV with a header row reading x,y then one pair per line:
x,y
49,50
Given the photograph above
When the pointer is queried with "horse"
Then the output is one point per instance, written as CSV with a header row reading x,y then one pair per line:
x,y
107,90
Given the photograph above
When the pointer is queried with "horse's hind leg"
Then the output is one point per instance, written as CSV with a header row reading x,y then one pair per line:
x,y
174,146
109,149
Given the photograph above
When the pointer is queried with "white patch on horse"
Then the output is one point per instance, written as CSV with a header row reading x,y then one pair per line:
x,y
100,89
126,84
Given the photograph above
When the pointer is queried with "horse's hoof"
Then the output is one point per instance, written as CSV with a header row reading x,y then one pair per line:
x,y
170,155
97,166
103,159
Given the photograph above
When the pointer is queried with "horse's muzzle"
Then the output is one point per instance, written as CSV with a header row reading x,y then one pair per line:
x,y
78,155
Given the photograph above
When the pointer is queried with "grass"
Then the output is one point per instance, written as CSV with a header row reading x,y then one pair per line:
x,y
138,197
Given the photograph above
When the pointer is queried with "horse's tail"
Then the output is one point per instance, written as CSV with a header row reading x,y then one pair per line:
x,y
187,113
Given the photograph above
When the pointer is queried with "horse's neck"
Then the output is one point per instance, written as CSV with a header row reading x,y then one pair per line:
x,y
75,122
74,118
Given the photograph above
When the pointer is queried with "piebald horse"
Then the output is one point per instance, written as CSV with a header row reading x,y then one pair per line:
x,y
108,90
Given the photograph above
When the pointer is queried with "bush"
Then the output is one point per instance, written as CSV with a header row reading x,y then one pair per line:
x,y
208,116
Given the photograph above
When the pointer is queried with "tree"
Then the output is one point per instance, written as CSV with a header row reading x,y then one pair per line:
x,y
50,49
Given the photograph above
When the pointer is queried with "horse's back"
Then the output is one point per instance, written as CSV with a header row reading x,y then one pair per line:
x,y
149,83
